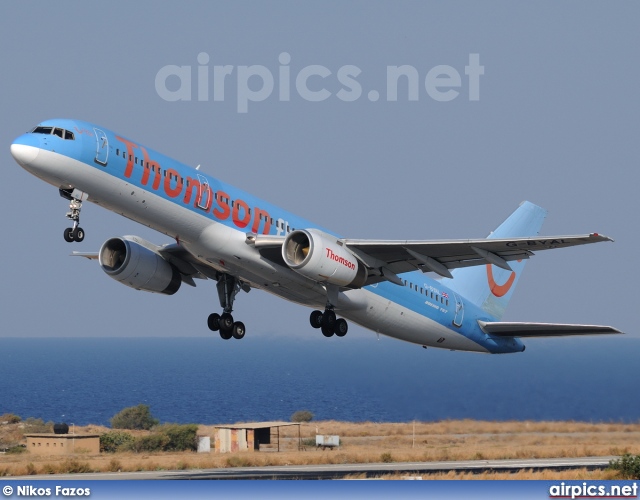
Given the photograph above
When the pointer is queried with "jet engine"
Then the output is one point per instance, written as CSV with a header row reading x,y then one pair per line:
x,y
136,263
318,256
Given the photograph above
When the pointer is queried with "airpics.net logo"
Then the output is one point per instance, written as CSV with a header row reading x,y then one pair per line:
x,y
313,83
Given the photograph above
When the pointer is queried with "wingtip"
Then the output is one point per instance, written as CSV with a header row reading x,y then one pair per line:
x,y
601,237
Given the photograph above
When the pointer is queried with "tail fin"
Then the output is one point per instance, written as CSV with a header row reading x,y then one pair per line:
x,y
491,287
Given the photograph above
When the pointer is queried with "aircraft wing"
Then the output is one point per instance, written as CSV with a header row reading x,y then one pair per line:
x,y
385,259
395,257
188,266
515,329
86,255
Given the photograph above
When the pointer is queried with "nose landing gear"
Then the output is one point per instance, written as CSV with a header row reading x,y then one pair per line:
x,y
75,197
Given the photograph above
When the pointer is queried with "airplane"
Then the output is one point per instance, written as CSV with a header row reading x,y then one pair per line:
x,y
242,242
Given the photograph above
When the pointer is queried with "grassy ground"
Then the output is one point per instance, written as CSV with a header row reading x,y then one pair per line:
x,y
370,443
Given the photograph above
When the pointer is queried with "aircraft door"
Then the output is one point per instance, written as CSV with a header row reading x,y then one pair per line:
x,y
459,316
205,194
102,147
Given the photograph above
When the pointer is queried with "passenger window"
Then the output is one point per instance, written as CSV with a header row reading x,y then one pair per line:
x,y
118,152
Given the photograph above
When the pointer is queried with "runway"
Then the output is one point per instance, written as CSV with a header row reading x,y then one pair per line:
x,y
339,471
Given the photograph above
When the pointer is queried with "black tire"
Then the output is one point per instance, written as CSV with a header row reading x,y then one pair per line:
x,y
327,331
329,319
238,330
78,234
68,235
226,322
225,334
316,319
213,322
341,327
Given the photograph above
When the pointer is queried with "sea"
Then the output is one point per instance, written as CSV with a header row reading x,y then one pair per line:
x,y
208,380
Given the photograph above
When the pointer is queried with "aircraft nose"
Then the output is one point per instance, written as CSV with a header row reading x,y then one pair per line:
x,y
23,152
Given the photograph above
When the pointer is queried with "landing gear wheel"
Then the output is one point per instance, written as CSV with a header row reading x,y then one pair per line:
x,y
327,331
228,287
213,322
341,327
226,322
329,319
316,319
78,234
238,330
68,235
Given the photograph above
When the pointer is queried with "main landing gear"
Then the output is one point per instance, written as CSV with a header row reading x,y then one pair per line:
x,y
228,287
328,323
75,233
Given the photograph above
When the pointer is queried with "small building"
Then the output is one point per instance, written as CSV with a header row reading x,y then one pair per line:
x,y
250,437
204,444
63,444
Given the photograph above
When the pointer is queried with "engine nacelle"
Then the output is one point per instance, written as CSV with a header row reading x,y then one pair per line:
x,y
133,262
318,256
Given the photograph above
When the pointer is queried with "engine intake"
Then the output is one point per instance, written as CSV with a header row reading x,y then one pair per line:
x,y
318,256
133,262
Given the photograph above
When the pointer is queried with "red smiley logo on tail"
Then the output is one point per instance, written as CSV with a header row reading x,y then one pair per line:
x,y
499,290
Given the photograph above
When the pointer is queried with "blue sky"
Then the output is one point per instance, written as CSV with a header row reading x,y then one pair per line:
x,y
556,123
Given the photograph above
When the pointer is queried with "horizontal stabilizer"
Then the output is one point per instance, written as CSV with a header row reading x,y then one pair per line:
x,y
515,329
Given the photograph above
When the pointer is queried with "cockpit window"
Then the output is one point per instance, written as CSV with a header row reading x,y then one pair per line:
x,y
60,132
42,130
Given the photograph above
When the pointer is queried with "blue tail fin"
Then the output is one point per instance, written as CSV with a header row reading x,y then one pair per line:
x,y
491,287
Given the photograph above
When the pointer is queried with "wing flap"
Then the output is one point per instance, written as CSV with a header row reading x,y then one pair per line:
x,y
517,329
182,260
